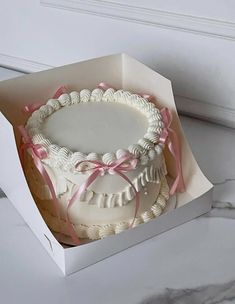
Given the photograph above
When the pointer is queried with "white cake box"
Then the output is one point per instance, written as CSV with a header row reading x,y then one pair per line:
x,y
120,71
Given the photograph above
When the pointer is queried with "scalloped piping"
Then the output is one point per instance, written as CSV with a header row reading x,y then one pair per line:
x,y
104,200
149,174
95,232
60,157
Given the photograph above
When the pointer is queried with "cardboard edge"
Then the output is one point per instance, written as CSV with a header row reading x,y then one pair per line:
x,y
66,268
139,234
43,233
145,66
58,68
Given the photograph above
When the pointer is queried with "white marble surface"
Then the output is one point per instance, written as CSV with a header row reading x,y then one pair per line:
x,y
193,263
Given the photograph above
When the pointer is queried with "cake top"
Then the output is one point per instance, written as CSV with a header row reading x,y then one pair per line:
x,y
96,125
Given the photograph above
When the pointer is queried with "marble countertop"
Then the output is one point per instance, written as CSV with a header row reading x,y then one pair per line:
x,y
193,263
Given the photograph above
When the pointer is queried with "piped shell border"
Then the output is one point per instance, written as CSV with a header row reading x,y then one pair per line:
x,y
95,232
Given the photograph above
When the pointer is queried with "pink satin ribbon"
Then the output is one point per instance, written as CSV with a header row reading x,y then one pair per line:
x,y
30,108
38,153
120,166
61,90
105,86
170,137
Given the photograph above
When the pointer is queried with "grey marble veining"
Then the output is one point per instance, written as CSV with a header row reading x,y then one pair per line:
x,y
2,194
210,294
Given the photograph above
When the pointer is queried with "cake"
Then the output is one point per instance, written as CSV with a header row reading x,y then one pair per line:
x,y
113,132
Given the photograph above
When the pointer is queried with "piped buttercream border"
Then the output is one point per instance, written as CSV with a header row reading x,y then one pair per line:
x,y
145,150
152,173
95,232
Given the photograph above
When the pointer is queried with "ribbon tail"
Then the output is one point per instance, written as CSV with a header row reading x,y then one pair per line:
x,y
76,195
137,195
72,232
70,226
21,153
46,178
79,190
174,147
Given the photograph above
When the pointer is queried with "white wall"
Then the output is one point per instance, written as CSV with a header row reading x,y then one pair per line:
x,y
190,42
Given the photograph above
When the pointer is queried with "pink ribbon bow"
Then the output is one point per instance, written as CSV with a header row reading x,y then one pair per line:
x,y
30,108
105,86
38,153
120,166
168,135
37,150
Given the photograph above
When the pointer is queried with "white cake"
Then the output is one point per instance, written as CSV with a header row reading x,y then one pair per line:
x,y
82,128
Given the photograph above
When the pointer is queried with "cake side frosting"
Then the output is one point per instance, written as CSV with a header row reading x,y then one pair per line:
x,y
95,232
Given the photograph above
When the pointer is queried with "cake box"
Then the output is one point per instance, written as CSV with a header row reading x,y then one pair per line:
x,y
120,71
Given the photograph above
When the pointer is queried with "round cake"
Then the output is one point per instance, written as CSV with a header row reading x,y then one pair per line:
x,y
113,133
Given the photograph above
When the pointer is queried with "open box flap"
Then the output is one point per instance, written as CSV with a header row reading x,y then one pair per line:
x,y
80,257
150,82
41,86
13,183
